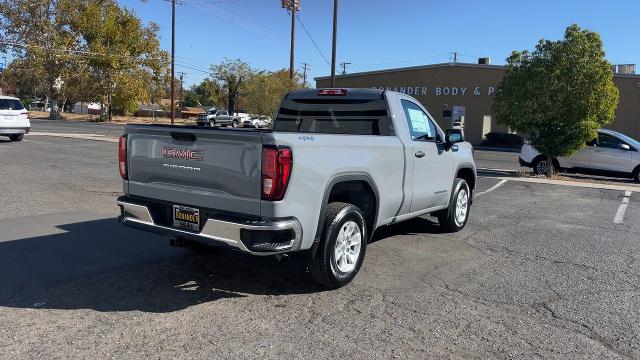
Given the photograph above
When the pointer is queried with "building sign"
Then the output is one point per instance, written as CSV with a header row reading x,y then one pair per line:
x,y
442,90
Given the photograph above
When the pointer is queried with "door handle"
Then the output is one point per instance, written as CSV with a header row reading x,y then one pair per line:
x,y
419,154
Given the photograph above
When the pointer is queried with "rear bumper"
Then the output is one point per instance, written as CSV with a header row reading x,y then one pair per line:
x,y
264,237
14,130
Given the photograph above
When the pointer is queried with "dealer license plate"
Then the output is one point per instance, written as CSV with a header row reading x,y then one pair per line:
x,y
186,218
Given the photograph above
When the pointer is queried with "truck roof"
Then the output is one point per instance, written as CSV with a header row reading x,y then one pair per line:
x,y
352,93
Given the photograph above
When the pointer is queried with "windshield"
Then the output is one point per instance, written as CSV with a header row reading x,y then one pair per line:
x,y
11,104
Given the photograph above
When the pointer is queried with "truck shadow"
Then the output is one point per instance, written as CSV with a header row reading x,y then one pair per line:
x,y
415,226
103,266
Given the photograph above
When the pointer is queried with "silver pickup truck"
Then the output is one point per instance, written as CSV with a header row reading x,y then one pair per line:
x,y
337,165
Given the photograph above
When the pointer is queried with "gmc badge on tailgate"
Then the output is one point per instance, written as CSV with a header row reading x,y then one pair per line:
x,y
184,154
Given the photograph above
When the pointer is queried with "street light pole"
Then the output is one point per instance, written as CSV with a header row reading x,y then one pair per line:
x,y
333,52
173,51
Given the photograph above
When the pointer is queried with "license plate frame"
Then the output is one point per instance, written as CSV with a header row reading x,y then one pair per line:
x,y
186,218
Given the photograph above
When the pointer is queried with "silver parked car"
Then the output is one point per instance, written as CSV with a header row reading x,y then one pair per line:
x,y
612,153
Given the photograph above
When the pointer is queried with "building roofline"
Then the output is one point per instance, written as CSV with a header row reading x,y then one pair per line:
x,y
430,66
410,68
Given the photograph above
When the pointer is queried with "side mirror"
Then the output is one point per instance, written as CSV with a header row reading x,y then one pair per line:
x,y
625,147
453,136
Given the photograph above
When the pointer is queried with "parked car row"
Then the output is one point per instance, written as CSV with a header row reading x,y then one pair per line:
x,y
218,117
611,153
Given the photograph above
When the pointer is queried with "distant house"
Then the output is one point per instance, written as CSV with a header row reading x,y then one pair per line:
x,y
189,112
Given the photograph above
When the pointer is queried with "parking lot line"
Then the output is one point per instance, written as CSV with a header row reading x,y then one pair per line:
x,y
622,209
502,182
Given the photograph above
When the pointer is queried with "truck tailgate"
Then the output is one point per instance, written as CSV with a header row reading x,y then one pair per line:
x,y
200,167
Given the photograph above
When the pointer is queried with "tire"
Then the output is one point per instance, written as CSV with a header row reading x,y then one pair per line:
x,y
212,123
636,174
341,219
234,123
16,137
539,166
455,217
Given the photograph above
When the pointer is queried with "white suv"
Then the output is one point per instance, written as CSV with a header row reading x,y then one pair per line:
x,y
612,153
14,118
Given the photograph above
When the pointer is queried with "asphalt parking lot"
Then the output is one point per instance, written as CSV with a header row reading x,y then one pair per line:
x,y
541,271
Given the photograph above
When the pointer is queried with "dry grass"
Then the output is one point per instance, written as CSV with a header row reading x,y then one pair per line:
x,y
116,119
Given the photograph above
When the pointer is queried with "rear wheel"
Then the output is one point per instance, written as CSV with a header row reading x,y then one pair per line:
x,y
455,217
212,123
540,165
636,174
234,123
16,137
342,246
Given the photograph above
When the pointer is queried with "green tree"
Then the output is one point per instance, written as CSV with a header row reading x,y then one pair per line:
x,y
38,36
265,90
123,54
231,75
559,94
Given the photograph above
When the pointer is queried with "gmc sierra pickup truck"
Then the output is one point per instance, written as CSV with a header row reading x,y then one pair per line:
x,y
337,165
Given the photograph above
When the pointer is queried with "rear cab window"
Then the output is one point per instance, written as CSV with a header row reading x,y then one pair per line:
x,y
334,115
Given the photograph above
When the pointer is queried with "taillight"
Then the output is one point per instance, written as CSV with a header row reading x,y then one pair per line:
x,y
122,156
276,171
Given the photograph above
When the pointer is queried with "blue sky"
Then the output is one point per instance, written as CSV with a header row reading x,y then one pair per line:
x,y
379,34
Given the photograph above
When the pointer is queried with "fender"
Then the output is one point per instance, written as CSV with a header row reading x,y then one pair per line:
x,y
470,166
335,179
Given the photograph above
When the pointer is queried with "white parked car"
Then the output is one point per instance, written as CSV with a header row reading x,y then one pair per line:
x,y
260,121
612,153
14,118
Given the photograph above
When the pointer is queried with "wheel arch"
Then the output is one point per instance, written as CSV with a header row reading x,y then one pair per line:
x,y
337,188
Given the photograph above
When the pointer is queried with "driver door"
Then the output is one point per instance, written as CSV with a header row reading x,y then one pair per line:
x,y
607,155
432,165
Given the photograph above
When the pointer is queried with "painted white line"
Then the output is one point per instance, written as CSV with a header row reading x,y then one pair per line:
x,y
497,170
502,182
631,188
622,209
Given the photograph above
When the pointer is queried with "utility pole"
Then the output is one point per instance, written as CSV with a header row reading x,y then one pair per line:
x,y
304,73
173,52
333,52
344,67
293,6
455,56
180,95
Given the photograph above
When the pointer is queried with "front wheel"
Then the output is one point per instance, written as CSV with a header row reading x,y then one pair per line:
x,y
454,218
342,246
636,174
16,137
212,123
234,123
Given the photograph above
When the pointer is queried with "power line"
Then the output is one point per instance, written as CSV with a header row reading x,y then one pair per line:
x,y
192,68
313,41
